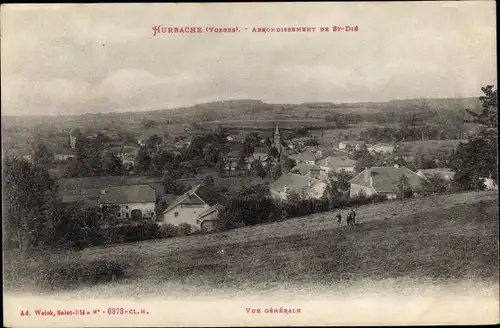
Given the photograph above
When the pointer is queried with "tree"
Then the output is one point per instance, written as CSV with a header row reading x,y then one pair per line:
x,y
489,114
154,142
143,159
403,188
273,152
171,186
208,180
42,155
29,199
112,165
258,169
435,185
290,163
477,159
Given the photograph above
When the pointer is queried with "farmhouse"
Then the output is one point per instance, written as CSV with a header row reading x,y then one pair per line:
x,y
337,164
132,202
383,180
351,145
307,158
444,173
381,148
192,207
23,154
64,155
302,185
310,170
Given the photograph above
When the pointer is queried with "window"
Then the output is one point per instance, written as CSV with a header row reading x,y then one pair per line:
x,y
176,214
119,214
126,215
126,207
197,221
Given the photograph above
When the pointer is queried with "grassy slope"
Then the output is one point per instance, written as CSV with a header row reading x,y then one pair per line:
x,y
445,237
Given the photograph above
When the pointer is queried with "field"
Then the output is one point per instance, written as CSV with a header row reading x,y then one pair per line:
x,y
433,239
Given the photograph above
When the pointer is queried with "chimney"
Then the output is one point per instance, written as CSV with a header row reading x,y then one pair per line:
x,y
367,174
285,189
396,166
103,191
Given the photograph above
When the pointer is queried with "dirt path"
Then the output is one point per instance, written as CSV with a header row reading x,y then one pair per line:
x,y
296,226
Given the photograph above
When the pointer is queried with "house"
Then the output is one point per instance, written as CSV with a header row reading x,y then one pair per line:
x,y
208,218
444,173
128,155
351,145
310,170
64,155
133,201
383,180
188,207
307,158
303,185
20,153
337,164
489,184
300,141
381,149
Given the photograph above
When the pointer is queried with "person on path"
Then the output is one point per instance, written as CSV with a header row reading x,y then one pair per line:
x,y
339,218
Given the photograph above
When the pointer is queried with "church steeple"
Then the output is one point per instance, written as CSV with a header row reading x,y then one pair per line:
x,y
277,139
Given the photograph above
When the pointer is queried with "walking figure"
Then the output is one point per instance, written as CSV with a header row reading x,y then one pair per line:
x,y
339,218
351,218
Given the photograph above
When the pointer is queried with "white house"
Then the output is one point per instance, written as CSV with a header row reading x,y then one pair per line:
x,y
133,201
446,174
307,158
351,145
337,164
383,180
303,185
191,207
65,155
381,148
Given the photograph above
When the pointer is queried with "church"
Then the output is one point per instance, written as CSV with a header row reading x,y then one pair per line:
x,y
277,141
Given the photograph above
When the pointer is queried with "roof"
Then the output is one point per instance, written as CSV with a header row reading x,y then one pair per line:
x,y
353,142
303,157
128,194
443,172
334,162
304,168
198,195
208,211
77,184
66,151
385,179
292,181
300,139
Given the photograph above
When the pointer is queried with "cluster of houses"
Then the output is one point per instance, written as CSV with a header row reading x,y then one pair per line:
x,y
315,167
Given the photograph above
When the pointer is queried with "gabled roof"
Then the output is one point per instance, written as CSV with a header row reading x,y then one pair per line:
x,y
304,168
303,157
293,181
128,194
385,179
198,195
334,162
442,172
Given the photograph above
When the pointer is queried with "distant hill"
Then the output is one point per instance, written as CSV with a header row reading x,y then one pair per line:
x,y
234,109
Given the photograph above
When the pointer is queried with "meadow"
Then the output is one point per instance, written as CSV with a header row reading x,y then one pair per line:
x,y
437,239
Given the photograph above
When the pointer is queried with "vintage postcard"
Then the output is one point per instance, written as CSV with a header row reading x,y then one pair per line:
x,y
249,164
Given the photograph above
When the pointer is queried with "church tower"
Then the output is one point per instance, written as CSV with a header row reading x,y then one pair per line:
x,y
277,140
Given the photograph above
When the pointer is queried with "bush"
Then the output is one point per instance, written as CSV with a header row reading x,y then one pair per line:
x,y
69,274
184,229
167,231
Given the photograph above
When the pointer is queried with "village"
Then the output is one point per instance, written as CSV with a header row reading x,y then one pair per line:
x,y
185,181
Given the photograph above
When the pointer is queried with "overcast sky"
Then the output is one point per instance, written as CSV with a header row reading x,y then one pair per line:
x,y
72,59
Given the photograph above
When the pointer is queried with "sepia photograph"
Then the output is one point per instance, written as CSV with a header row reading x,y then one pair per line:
x,y
249,164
